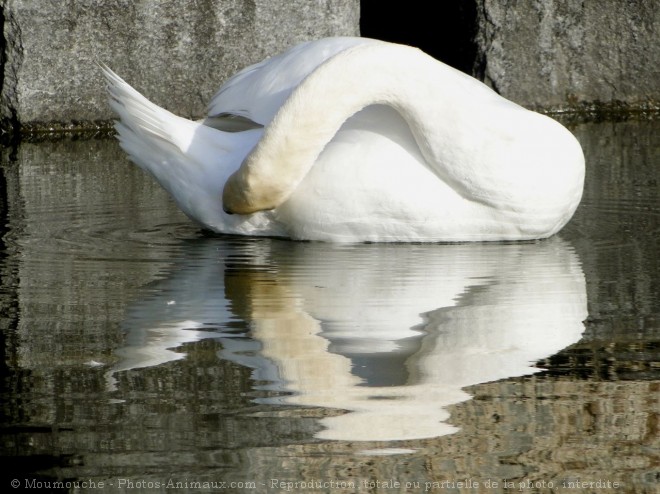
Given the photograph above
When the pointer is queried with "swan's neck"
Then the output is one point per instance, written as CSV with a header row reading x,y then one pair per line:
x,y
372,73
486,148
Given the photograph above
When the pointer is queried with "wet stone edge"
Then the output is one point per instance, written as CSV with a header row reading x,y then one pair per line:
x,y
592,112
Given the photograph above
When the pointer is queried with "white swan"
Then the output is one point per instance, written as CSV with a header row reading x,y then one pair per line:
x,y
353,139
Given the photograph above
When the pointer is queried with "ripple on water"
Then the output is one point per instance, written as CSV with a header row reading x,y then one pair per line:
x,y
208,336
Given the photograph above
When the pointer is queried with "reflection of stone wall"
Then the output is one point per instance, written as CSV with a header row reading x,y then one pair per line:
x,y
623,159
63,255
178,52
558,53
195,419
615,232
191,420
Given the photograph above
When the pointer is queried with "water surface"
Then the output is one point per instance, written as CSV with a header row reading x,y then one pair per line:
x,y
138,349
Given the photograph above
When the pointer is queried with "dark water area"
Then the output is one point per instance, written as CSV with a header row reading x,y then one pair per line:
x,y
141,354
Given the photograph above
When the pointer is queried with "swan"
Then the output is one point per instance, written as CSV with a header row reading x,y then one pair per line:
x,y
358,140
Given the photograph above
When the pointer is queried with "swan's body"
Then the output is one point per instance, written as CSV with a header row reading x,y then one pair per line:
x,y
351,139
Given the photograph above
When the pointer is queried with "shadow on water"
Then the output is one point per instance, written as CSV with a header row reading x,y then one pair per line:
x,y
138,348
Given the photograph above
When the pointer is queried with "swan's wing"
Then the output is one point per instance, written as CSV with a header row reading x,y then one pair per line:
x,y
258,91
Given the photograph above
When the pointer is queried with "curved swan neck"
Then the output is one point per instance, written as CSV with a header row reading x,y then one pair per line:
x,y
371,73
489,150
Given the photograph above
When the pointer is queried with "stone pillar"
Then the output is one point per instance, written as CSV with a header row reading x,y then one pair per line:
x,y
178,52
560,54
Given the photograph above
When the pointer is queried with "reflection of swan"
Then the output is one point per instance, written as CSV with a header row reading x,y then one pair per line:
x,y
391,333
352,139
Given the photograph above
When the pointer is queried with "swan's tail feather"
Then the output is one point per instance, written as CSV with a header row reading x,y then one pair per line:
x,y
140,116
189,159
178,152
171,148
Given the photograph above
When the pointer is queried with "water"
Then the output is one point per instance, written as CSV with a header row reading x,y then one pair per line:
x,y
140,352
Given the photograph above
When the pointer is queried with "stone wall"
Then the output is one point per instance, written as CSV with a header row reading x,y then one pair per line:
x,y
550,54
177,52
571,53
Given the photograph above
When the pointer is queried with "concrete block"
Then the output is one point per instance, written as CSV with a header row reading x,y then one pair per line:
x,y
178,52
571,53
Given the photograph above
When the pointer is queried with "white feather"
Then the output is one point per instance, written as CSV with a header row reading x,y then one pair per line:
x,y
350,139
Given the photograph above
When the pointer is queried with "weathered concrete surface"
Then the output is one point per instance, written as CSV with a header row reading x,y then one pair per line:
x,y
571,53
177,52
541,53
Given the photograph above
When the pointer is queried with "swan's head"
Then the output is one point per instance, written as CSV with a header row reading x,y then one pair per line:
x,y
233,198
245,193
270,173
